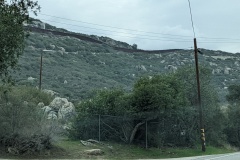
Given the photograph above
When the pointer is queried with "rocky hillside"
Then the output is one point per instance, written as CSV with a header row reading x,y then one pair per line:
x,y
74,68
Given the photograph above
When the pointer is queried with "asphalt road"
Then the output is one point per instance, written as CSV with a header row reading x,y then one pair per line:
x,y
230,156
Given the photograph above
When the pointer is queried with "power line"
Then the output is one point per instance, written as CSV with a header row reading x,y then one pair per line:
x,y
139,35
132,30
113,26
219,38
189,4
115,31
157,39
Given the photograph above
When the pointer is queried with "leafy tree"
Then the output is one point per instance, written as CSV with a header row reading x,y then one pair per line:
x,y
106,102
166,103
12,16
134,46
152,99
233,112
109,104
158,99
157,94
214,118
234,94
23,126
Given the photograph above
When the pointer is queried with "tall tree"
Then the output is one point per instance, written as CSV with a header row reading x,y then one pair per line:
x,y
234,94
233,112
213,116
13,14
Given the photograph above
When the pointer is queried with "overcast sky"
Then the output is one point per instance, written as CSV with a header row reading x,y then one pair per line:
x,y
151,24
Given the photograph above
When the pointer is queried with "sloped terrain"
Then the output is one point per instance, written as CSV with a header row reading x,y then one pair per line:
x,y
74,68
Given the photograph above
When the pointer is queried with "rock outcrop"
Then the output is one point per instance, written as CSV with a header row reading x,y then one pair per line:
x,y
59,108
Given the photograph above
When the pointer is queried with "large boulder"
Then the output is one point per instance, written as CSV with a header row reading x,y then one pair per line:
x,y
46,109
58,109
227,70
64,109
58,102
52,115
40,105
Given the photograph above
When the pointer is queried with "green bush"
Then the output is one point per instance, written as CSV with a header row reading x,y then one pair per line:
x,y
21,120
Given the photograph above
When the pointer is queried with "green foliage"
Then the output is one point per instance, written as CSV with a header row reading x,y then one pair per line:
x,y
209,99
113,102
234,94
158,93
233,112
233,126
134,46
12,16
167,103
23,124
159,99
90,66
106,102
19,112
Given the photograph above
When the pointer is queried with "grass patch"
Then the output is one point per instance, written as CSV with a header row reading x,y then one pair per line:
x,y
67,149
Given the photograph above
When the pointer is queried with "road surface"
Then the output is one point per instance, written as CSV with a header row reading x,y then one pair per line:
x,y
230,156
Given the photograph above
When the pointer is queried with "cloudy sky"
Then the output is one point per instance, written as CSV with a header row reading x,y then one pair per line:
x,y
151,24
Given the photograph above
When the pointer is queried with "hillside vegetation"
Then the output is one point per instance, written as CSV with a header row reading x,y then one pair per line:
x,y
74,68
122,94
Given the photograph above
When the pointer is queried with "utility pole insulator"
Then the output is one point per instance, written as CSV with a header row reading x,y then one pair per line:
x,y
201,125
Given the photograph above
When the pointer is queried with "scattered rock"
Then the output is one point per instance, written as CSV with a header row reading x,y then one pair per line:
x,y
61,49
62,108
13,151
227,70
171,68
50,92
52,115
31,79
40,105
141,67
46,110
216,71
94,152
25,103
58,102
212,64
52,46
86,143
66,111
163,61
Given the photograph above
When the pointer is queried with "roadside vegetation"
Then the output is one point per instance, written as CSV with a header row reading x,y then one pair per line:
x,y
68,149
150,116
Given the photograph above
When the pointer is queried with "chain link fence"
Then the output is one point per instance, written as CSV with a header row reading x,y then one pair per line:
x,y
165,131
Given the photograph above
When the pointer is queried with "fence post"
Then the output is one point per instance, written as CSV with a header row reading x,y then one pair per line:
x,y
146,135
99,128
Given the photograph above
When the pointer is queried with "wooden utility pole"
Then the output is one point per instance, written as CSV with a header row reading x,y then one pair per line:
x,y
40,78
201,125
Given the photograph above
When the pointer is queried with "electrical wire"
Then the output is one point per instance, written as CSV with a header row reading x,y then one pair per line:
x,y
111,30
191,18
155,33
114,27
156,38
